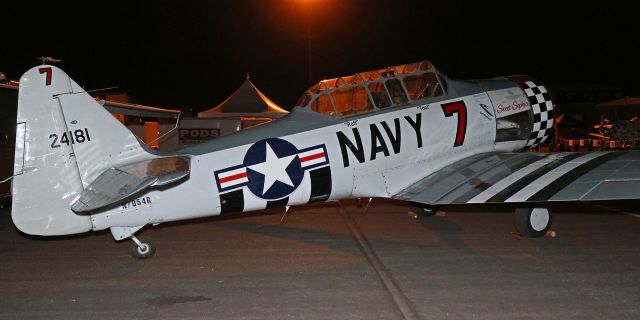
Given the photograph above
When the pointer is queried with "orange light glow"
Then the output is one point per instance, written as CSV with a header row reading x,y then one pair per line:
x,y
254,119
151,134
599,136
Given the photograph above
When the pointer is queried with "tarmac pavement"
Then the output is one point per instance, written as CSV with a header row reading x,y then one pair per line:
x,y
335,261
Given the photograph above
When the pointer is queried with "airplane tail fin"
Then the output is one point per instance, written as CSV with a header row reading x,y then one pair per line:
x,y
64,140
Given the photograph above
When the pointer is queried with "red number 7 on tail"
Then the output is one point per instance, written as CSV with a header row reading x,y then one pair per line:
x,y
48,72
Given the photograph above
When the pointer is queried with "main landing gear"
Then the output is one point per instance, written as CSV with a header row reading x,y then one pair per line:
x,y
533,222
422,210
530,222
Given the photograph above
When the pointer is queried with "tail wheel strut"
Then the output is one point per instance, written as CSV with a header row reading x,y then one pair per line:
x,y
142,248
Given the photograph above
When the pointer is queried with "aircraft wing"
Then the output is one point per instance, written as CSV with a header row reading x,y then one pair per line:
x,y
531,177
119,183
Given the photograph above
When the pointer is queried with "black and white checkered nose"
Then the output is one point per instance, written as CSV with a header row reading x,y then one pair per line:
x,y
541,108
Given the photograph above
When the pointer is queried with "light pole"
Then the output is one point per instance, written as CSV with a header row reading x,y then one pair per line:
x,y
309,45
308,7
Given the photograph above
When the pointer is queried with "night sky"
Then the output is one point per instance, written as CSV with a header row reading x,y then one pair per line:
x,y
196,53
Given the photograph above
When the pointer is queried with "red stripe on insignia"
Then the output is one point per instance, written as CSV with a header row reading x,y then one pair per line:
x,y
312,157
233,177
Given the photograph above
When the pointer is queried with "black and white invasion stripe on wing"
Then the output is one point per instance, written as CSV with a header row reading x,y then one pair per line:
x,y
544,179
531,177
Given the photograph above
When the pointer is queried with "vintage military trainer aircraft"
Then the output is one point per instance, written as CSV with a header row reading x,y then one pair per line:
x,y
404,132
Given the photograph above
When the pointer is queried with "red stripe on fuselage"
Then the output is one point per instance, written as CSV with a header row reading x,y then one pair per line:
x,y
312,157
233,177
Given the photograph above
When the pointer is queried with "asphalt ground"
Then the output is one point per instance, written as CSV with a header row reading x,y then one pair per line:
x,y
335,261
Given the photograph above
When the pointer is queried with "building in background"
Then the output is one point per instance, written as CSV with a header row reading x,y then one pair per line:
x,y
245,108
625,108
594,117
576,107
147,123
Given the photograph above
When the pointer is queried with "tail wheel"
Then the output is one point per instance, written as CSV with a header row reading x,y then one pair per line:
x,y
533,222
143,249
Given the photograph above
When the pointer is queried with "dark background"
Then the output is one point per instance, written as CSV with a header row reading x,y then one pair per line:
x,y
196,53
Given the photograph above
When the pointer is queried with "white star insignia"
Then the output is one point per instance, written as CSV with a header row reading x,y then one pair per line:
x,y
274,169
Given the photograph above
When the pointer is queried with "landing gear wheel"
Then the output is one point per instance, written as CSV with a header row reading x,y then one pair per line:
x,y
423,210
143,248
533,222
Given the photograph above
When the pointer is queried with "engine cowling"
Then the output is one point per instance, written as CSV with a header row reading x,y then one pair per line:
x,y
542,111
524,113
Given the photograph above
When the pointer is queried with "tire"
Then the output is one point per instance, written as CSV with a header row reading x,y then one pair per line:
x,y
423,210
147,250
533,222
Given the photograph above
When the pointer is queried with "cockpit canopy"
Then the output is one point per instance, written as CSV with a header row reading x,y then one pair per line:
x,y
374,90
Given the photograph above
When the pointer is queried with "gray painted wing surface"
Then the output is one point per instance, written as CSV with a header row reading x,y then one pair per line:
x,y
117,184
618,178
531,177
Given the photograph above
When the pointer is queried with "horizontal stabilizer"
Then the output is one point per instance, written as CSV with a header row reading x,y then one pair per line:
x,y
117,184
